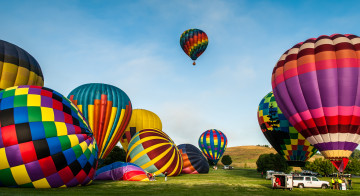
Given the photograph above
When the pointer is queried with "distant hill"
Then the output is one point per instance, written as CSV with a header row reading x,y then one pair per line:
x,y
246,156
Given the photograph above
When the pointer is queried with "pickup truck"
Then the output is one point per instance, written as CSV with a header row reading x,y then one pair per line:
x,y
309,182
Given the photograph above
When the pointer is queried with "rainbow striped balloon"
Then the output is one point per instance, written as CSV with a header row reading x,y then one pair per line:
x,y
155,152
213,144
108,110
194,43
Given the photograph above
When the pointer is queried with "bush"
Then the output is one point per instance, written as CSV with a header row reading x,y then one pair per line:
x,y
226,160
322,166
117,154
272,162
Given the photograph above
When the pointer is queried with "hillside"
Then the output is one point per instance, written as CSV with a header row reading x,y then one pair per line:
x,y
246,156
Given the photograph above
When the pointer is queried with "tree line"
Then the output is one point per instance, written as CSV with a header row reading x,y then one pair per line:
x,y
322,166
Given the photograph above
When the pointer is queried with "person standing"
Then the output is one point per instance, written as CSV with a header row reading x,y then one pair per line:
x,y
333,183
340,183
349,181
165,176
262,174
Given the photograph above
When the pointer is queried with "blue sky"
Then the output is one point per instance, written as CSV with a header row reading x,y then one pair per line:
x,y
134,45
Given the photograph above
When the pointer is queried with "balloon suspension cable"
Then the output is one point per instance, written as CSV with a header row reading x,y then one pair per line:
x,y
194,63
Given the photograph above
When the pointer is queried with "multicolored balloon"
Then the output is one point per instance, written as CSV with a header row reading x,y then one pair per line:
x,y
121,171
194,43
213,144
282,136
45,142
194,160
155,152
18,67
315,84
140,119
108,110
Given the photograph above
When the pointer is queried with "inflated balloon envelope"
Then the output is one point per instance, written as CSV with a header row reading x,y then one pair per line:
x,y
45,142
194,42
316,86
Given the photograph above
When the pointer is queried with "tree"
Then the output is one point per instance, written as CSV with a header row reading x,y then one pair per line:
x,y
353,167
272,162
117,154
355,154
226,160
322,166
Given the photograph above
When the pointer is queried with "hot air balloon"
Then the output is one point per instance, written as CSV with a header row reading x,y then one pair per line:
x,y
121,171
282,136
107,109
155,152
45,142
194,43
213,144
315,84
18,67
140,119
194,160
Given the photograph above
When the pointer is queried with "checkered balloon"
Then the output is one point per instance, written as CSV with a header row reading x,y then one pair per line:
x,y
45,141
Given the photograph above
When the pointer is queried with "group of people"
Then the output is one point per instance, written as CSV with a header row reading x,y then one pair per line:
x,y
151,176
337,183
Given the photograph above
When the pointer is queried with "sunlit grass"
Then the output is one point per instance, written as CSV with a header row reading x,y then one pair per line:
x,y
220,182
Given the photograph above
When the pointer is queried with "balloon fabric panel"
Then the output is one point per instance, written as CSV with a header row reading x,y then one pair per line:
x,y
17,67
213,144
155,152
44,140
194,160
108,110
286,140
316,86
140,119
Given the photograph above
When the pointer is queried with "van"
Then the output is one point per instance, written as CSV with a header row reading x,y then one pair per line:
x,y
309,182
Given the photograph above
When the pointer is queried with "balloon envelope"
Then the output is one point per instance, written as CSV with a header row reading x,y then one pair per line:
x,y
45,142
108,110
18,67
140,119
121,171
194,42
155,152
282,136
194,160
315,84
213,144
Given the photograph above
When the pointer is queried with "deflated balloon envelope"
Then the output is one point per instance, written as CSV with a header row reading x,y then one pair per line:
x,y
316,86
121,171
194,160
45,142
282,136
18,67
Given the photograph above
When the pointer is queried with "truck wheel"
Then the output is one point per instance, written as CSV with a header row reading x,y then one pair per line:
x,y
324,186
301,186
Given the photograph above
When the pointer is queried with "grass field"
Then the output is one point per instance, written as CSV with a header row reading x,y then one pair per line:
x,y
220,182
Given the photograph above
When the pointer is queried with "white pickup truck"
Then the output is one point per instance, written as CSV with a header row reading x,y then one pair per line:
x,y
309,182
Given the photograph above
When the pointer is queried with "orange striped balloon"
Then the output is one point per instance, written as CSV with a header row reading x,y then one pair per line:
x,y
155,152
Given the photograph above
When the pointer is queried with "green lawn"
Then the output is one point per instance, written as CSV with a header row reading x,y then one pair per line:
x,y
220,182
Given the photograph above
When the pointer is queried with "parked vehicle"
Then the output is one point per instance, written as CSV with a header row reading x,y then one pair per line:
x,y
282,181
228,167
309,182
269,174
309,173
